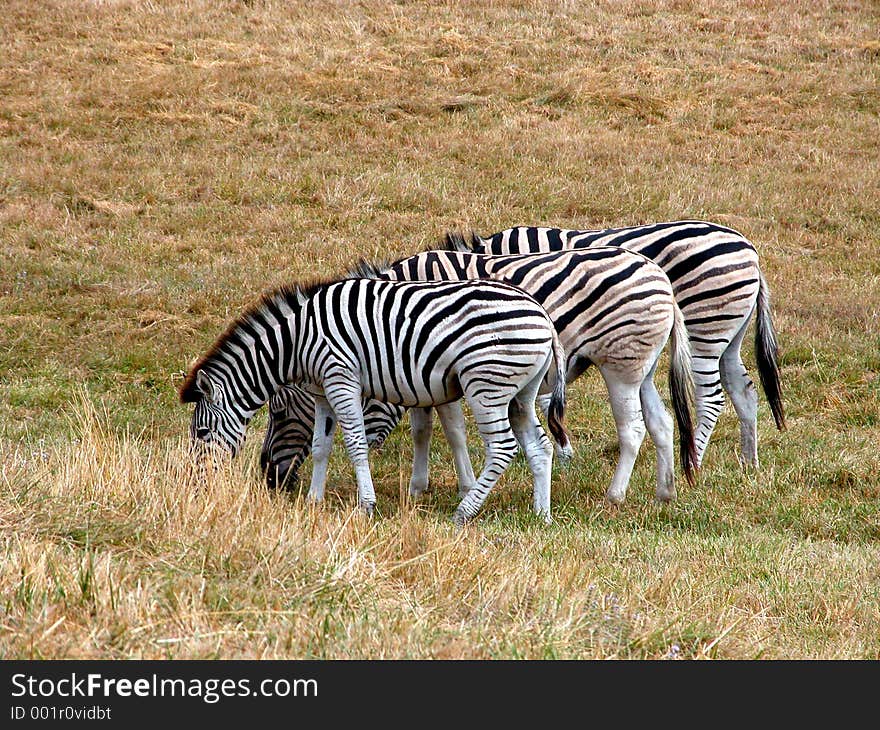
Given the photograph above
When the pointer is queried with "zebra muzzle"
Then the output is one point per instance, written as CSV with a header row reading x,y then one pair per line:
x,y
280,475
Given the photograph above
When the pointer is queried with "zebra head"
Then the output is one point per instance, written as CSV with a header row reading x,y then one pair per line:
x,y
291,425
288,438
214,421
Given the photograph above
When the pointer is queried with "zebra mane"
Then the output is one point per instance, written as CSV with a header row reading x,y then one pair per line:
x,y
455,241
452,241
367,269
291,294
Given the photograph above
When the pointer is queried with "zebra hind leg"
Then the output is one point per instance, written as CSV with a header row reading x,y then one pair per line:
x,y
538,450
627,410
501,447
744,396
420,421
452,420
709,398
659,424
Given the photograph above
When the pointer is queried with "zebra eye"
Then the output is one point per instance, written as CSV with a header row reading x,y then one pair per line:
x,y
203,434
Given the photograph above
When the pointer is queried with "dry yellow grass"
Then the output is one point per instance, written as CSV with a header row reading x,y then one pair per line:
x,y
114,549
162,163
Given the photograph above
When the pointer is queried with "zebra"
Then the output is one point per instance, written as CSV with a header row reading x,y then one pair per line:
x,y
612,308
289,432
413,344
288,437
718,285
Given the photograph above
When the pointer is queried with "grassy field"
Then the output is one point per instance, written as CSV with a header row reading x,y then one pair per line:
x,y
163,163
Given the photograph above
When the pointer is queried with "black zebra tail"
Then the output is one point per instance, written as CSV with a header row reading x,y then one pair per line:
x,y
767,354
681,390
556,409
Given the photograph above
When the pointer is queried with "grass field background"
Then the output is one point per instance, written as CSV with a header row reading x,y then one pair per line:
x,y
161,164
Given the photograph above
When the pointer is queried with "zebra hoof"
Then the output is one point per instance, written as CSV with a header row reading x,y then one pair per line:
x,y
564,455
665,497
614,498
748,463
459,518
544,517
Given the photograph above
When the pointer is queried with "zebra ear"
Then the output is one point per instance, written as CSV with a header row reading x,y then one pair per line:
x,y
209,390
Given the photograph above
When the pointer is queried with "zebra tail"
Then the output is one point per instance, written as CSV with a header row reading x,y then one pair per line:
x,y
556,409
681,390
767,354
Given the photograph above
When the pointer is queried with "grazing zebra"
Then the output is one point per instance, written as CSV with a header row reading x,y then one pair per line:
x,y
413,344
718,285
289,430
612,308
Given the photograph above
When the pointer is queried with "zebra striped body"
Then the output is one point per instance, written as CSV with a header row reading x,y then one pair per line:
x,y
408,344
718,286
613,309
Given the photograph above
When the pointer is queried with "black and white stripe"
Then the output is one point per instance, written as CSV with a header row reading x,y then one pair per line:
x,y
289,429
417,345
612,308
718,285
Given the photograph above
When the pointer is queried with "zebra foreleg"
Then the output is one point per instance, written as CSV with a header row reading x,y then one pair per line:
x,y
452,420
345,400
627,412
420,423
659,423
322,444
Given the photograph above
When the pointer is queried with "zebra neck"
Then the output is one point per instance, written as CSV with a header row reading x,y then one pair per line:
x,y
259,356
308,358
